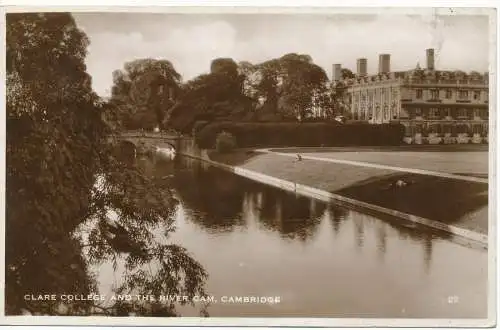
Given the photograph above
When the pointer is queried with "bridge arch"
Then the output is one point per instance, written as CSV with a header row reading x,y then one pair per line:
x,y
127,150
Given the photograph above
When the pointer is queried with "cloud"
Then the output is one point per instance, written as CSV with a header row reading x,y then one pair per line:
x,y
191,43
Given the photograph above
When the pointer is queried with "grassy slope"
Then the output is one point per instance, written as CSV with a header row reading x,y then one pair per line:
x,y
446,200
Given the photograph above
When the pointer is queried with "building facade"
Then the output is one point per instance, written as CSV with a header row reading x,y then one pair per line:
x,y
434,106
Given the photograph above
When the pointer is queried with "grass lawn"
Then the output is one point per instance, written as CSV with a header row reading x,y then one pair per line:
x,y
441,199
408,148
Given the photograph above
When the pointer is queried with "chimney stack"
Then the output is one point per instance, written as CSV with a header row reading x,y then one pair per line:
x,y
361,67
337,72
430,58
384,63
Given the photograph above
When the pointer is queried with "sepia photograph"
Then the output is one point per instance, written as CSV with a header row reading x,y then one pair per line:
x,y
254,164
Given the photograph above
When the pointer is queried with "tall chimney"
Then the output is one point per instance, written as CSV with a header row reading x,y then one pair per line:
x,y
430,58
361,67
337,72
384,63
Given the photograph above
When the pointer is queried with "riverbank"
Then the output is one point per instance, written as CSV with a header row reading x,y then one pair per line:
x,y
449,201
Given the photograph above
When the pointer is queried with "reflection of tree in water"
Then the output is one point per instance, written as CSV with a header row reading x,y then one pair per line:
x,y
216,195
422,235
359,230
381,239
292,216
337,215
428,247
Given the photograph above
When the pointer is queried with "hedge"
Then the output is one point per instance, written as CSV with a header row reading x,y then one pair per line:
x,y
225,142
253,134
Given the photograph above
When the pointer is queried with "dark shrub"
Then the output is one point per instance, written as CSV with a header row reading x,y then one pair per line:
x,y
198,126
225,142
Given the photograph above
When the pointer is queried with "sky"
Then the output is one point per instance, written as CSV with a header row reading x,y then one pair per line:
x,y
192,41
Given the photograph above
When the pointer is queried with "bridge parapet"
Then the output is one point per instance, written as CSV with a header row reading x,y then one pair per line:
x,y
183,145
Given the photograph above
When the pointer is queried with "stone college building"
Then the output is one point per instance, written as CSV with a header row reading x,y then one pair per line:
x,y
434,106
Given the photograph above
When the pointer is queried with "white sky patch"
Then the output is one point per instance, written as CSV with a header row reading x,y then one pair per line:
x,y
191,42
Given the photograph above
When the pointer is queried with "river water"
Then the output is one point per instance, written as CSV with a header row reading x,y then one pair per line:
x,y
320,260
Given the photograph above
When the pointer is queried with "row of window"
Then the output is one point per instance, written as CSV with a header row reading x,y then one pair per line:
x,y
447,112
448,94
444,129
370,94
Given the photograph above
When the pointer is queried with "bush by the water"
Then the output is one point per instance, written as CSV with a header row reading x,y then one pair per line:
x,y
225,142
302,134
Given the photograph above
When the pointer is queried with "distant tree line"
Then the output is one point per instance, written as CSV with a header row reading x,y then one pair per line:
x,y
149,93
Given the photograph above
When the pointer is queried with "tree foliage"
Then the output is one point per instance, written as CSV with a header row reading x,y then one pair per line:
x,y
63,179
288,87
144,91
211,97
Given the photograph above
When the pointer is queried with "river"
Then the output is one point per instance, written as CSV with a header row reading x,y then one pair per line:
x,y
320,260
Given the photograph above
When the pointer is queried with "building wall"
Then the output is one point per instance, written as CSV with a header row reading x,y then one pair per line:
x,y
376,102
429,109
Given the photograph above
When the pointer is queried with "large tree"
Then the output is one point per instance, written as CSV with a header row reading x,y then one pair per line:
x,y
63,180
144,91
211,97
289,86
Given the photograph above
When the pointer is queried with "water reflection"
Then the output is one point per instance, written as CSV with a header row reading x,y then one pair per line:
x,y
294,217
214,195
322,259
381,240
224,202
337,215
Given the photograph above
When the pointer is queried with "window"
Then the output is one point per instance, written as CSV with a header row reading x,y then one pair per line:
x,y
419,93
418,112
462,112
449,94
434,113
434,94
447,112
460,129
408,131
477,95
463,95
362,114
435,128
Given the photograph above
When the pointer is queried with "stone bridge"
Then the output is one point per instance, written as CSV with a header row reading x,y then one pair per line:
x,y
183,145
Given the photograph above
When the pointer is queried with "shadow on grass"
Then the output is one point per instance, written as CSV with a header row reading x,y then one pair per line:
x,y
236,158
441,199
